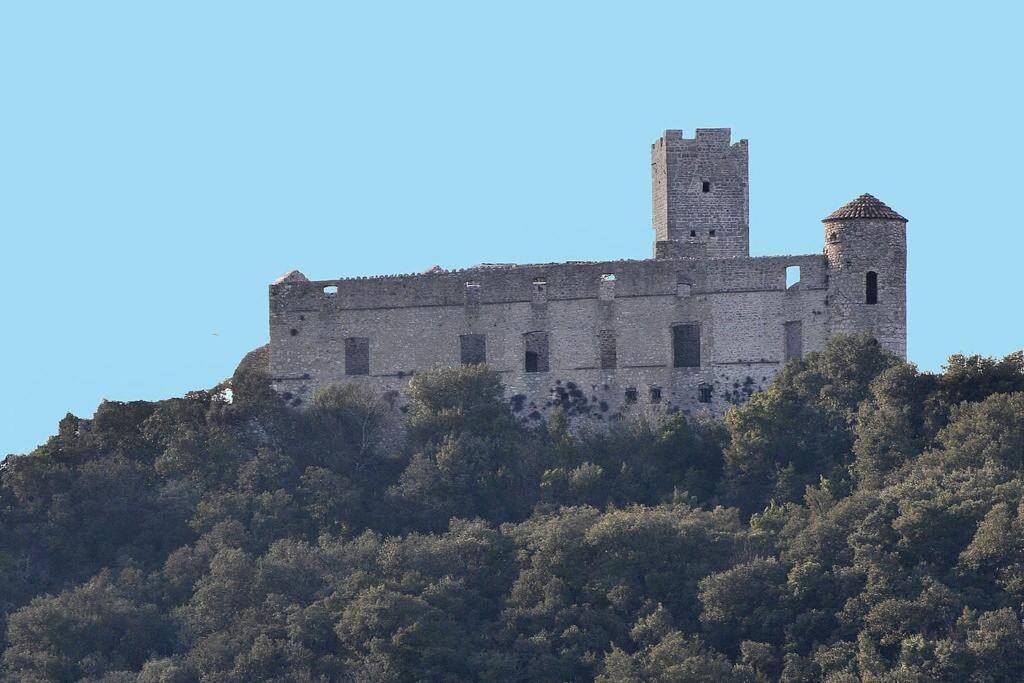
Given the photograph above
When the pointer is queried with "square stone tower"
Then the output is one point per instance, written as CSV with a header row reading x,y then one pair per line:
x,y
700,195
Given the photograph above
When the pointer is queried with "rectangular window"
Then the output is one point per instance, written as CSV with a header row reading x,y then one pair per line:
x,y
357,356
606,349
686,345
473,348
794,339
630,395
871,287
792,276
655,394
536,351
704,393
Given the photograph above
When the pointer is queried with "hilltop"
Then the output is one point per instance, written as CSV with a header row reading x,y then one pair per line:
x,y
859,519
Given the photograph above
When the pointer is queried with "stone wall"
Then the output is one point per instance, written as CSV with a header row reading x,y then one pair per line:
x,y
416,322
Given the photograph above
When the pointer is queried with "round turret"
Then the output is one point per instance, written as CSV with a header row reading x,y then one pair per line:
x,y
866,258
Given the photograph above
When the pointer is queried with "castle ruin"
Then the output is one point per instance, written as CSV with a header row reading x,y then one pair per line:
x,y
700,326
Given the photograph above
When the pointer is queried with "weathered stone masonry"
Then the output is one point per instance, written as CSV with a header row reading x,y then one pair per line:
x,y
699,327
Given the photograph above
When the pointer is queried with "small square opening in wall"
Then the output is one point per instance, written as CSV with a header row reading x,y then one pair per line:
x,y
705,186
711,233
693,233
331,289
631,395
655,395
539,283
704,393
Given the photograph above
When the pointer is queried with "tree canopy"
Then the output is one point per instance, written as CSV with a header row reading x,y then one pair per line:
x,y
859,520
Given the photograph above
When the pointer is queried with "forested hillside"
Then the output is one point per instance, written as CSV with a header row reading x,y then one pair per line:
x,y
860,520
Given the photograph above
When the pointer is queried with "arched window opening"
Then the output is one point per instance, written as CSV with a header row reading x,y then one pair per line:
x,y
871,287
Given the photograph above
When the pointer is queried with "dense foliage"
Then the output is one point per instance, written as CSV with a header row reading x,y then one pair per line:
x,y
860,520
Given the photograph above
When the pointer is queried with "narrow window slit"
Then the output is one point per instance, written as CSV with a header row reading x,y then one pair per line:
x,y
871,287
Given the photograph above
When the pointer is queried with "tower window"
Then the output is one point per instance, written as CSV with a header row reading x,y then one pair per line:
x,y
357,356
686,345
655,394
631,395
473,348
536,352
704,393
705,186
331,289
693,233
871,287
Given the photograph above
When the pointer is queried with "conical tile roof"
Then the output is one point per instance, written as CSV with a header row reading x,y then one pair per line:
x,y
864,206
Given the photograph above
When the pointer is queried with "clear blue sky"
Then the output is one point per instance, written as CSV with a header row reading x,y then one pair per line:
x,y
161,163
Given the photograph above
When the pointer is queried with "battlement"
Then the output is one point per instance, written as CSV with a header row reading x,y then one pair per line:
x,y
703,137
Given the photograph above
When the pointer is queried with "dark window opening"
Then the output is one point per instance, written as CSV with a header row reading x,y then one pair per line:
x,y
294,332
686,345
357,356
606,349
693,233
473,348
705,393
655,394
631,395
536,356
794,339
832,237
705,186
711,232
871,287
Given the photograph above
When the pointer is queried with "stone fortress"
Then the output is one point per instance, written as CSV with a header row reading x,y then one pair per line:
x,y
700,326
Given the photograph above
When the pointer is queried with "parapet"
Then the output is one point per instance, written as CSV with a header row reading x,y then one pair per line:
x,y
574,280
703,137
